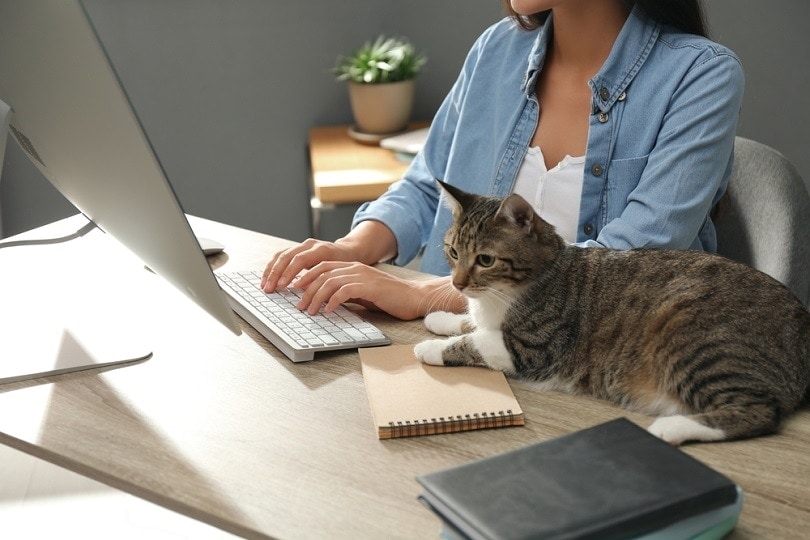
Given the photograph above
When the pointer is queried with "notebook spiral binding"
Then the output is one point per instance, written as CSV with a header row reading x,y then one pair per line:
x,y
452,424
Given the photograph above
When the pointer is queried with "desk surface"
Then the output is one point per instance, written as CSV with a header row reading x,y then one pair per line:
x,y
347,171
226,430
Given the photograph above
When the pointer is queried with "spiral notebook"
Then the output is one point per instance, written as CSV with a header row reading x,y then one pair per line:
x,y
409,398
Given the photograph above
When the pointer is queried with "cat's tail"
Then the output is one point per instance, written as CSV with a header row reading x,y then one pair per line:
x,y
806,365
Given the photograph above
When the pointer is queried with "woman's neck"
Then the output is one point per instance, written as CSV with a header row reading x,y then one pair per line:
x,y
584,33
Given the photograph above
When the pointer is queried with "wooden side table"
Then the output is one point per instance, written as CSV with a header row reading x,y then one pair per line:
x,y
348,172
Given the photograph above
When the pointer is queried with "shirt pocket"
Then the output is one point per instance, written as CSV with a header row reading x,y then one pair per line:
x,y
623,177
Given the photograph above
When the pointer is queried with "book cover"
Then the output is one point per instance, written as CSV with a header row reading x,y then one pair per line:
x,y
409,398
613,480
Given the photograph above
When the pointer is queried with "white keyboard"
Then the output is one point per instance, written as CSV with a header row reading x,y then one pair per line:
x,y
296,333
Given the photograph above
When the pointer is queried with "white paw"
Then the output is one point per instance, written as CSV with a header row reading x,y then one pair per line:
x,y
444,323
430,351
678,429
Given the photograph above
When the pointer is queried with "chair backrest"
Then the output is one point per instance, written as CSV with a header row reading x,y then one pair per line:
x,y
765,220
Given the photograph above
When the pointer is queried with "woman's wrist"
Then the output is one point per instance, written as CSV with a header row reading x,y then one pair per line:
x,y
437,294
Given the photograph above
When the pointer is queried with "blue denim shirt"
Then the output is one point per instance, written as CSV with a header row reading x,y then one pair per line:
x,y
660,144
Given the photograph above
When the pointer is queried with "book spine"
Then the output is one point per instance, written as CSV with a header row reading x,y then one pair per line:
x,y
450,424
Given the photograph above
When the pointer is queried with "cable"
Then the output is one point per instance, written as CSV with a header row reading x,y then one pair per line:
x,y
84,229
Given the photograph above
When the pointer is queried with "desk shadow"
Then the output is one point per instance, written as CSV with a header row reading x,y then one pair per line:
x,y
326,368
126,449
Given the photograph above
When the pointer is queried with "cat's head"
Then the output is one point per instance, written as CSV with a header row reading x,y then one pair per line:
x,y
496,243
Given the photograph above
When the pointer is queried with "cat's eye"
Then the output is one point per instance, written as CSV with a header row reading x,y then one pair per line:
x,y
452,252
485,260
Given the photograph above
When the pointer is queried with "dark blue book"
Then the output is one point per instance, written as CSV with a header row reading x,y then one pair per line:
x,y
611,481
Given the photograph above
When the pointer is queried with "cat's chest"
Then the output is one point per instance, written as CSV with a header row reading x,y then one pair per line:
x,y
489,312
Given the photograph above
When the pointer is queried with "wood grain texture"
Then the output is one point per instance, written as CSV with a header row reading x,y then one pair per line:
x,y
225,429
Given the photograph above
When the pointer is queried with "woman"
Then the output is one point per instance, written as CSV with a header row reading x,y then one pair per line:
x,y
616,118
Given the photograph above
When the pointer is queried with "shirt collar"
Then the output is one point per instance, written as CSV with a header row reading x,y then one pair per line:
x,y
536,57
632,47
629,52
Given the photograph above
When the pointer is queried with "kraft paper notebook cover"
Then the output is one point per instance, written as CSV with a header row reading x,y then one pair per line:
x,y
611,481
410,398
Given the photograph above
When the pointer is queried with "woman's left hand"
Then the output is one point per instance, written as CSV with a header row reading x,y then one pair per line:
x,y
329,284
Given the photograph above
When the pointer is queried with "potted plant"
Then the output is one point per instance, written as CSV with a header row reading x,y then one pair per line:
x,y
381,84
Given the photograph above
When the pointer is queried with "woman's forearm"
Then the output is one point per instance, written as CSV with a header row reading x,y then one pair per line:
x,y
371,241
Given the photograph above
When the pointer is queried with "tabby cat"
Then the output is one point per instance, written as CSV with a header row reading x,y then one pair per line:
x,y
715,349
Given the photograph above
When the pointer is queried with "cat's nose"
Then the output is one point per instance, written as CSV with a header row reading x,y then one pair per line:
x,y
460,285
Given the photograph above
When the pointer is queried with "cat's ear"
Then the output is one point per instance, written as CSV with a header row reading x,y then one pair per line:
x,y
456,199
517,211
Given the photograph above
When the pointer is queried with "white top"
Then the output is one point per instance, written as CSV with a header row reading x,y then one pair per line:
x,y
555,194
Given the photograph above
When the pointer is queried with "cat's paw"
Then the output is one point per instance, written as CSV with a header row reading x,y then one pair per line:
x,y
444,323
678,429
430,351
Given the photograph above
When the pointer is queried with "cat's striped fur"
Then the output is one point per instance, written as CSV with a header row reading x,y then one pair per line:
x,y
716,349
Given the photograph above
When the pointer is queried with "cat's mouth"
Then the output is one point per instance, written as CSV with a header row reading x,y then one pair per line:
x,y
473,292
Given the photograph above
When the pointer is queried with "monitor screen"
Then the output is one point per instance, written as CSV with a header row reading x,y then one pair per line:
x,y
72,117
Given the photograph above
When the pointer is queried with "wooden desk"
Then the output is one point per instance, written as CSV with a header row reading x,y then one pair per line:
x,y
347,171
226,430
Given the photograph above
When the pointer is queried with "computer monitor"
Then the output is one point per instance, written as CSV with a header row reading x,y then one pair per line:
x,y
72,117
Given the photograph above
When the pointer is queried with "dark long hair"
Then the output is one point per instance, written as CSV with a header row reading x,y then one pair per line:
x,y
685,15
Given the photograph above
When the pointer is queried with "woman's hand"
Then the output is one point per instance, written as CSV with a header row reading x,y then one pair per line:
x,y
369,242
329,284
285,265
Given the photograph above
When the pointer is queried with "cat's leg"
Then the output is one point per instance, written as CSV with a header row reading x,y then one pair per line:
x,y
729,422
678,429
431,351
480,348
444,323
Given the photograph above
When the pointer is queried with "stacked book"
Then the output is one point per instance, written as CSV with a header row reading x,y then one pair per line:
x,y
611,481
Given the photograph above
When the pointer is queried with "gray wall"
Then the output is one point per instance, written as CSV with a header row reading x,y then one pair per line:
x,y
227,90
772,40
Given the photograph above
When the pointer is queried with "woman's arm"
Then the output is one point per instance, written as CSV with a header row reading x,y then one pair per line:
x,y
687,170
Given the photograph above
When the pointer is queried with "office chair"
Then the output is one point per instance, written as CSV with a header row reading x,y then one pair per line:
x,y
764,220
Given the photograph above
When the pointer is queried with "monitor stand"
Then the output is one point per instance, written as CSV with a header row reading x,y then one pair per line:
x,y
69,305
55,314
49,349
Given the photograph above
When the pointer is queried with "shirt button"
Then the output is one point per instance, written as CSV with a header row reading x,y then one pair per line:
x,y
604,93
603,117
597,170
588,229
622,96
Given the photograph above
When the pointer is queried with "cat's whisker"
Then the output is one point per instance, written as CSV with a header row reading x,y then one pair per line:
x,y
496,297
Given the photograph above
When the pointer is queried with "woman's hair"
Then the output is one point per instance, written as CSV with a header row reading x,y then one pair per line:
x,y
685,15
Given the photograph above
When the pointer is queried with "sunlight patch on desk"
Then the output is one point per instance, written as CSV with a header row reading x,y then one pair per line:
x,y
98,298
35,420
56,351
65,311
41,500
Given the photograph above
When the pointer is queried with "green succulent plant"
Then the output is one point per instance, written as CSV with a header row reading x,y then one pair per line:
x,y
385,60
